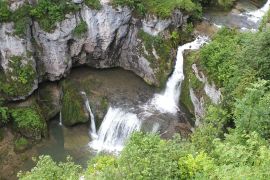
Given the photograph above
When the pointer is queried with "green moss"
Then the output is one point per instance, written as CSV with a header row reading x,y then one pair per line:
x,y
29,121
19,79
21,144
80,29
72,105
162,64
94,4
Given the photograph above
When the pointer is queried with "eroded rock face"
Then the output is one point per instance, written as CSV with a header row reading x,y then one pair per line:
x,y
13,49
111,40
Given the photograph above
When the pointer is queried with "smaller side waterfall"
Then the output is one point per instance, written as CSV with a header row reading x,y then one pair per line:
x,y
168,101
93,131
115,129
60,118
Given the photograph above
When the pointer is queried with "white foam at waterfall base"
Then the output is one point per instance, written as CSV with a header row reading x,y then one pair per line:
x,y
115,129
169,100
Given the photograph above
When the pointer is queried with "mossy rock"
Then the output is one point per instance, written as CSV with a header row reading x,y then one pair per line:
x,y
160,54
49,100
190,81
21,145
29,122
73,109
19,80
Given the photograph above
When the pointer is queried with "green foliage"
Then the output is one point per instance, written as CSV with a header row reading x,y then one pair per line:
x,y
28,120
196,167
46,168
100,164
4,11
49,12
80,29
4,116
19,79
20,144
161,8
265,21
252,112
21,19
95,4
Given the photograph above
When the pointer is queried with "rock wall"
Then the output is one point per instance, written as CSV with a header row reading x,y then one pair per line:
x,y
111,40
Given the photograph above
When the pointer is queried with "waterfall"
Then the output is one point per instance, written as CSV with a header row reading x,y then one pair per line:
x,y
118,124
60,118
169,100
93,131
257,15
115,129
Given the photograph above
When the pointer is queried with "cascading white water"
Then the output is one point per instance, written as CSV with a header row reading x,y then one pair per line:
x,y
119,124
169,100
257,15
60,118
93,131
115,129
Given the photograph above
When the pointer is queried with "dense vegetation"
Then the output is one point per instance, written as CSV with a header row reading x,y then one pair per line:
x,y
46,12
232,141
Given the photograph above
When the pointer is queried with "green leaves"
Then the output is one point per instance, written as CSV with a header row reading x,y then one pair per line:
x,y
46,168
252,112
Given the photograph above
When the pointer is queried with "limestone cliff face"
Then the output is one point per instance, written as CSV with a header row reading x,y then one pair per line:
x,y
111,40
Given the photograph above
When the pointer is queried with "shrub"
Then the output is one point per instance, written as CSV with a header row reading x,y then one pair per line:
x,y
46,168
48,12
29,122
3,115
20,144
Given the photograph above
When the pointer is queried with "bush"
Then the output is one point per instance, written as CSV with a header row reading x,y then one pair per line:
x,y
49,12
21,145
46,168
4,117
29,122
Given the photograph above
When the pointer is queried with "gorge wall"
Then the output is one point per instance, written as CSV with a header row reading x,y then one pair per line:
x,y
113,38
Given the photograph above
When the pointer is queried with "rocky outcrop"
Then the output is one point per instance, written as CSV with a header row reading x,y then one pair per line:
x,y
111,40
